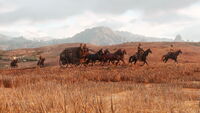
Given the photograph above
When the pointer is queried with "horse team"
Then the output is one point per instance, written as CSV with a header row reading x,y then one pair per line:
x,y
81,55
106,57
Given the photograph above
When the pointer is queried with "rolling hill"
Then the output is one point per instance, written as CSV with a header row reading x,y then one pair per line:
x,y
97,36
51,53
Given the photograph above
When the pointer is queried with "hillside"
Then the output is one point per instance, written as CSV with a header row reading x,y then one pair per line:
x,y
106,36
52,52
157,88
97,36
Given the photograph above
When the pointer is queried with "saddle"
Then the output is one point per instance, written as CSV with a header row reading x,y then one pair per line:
x,y
139,54
170,53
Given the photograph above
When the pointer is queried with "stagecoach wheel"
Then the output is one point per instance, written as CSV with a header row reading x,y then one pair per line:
x,y
61,64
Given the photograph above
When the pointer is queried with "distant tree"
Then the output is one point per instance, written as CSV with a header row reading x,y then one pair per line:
x,y
178,38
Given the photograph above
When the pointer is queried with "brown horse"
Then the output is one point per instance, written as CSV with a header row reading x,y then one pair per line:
x,y
171,55
142,57
114,57
94,57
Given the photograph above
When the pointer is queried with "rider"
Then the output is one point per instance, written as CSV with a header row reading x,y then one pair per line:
x,y
140,50
81,47
15,58
85,49
82,50
39,61
171,48
14,62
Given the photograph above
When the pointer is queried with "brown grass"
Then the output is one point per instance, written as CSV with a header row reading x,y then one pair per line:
x,y
157,88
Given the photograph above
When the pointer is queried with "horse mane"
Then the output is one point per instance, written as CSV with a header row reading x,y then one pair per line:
x,y
106,51
119,51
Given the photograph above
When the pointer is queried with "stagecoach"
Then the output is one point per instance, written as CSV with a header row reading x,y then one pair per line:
x,y
71,55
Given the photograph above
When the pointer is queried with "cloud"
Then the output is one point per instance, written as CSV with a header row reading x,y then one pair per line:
x,y
64,18
38,10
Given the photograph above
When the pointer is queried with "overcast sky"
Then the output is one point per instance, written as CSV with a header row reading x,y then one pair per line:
x,y
64,18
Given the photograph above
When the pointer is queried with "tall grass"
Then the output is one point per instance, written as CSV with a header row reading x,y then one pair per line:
x,y
157,88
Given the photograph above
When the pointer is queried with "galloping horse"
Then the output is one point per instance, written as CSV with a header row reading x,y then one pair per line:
x,y
94,57
171,55
117,56
142,57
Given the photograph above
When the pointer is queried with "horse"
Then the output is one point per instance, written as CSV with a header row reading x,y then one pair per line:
x,y
171,55
103,57
94,57
142,57
13,63
117,56
40,62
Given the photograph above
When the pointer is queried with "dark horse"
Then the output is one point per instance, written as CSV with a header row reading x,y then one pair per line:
x,y
171,55
142,57
94,57
117,56
13,63
40,62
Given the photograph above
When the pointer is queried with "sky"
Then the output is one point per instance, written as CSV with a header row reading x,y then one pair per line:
x,y
46,19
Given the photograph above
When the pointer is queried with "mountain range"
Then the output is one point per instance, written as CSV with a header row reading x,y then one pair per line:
x,y
97,36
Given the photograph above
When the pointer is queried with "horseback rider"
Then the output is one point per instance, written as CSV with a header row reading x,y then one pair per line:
x,y
85,49
14,62
81,47
171,48
140,50
15,59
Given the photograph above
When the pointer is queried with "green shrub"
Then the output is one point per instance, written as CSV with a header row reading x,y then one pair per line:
x,y
29,59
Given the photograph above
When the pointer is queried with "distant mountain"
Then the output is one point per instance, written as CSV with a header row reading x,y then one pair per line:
x,y
178,38
97,35
140,38
9,43
106,36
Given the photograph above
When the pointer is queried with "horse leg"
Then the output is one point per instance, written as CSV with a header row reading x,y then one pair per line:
x,y
93,63
135,62
117,62
130,60
165,60
146,62
176,60
123,61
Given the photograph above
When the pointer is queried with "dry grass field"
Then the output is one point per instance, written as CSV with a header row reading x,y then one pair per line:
x,y
157,88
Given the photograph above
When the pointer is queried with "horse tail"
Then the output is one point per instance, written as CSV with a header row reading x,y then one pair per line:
x,y
130,59
163,57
